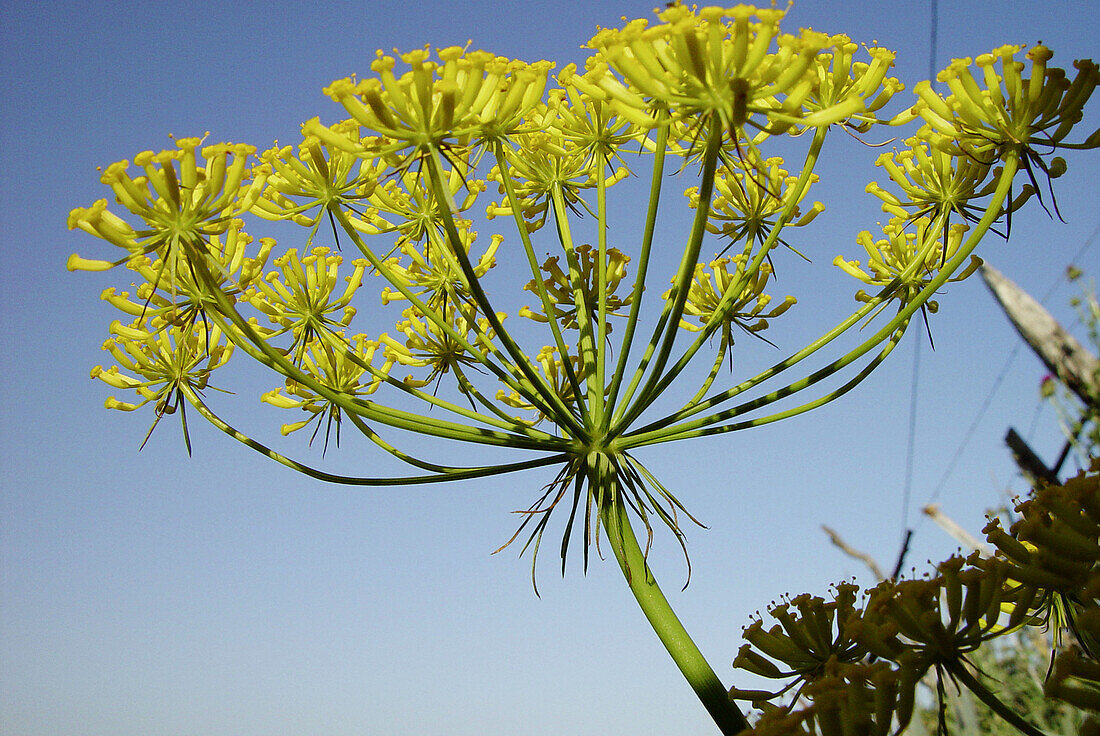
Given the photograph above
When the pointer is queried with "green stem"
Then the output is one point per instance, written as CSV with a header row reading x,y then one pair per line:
x,y
532,262
542,394
699,674
442,473
984,694
664,334
656,182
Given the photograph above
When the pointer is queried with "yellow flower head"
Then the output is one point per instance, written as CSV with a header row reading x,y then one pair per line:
x,y
590,124
933,182
906,261
937,620
179,199
464,97
162,366
542,163
841,81
162,361
403,205
346,370
557,376
810,632
1053,553
428,345
732,297
181,300
750,195
990,113
301,298
434,272
561,289
713,64
311,184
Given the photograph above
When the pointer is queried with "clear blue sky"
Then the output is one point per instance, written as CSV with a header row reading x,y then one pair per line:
x,y
148,593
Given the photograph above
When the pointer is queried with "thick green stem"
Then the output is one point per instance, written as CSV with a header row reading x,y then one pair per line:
x,y
975,686
699,674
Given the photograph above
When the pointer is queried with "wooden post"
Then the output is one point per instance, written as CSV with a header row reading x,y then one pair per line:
x,y
1028,461
1075,366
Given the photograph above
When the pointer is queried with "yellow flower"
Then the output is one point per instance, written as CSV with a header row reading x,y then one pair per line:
x,y
428,345
937,621
842,81
433,270
590,124
910,258
933,182
562,289
1006,112
166,365
301,298
749,195
714,63
745,308
465,97
185,301
343,369
308,186
180,200
402,205
805,638
554,370
185,206
1006,109
542,163
1053,553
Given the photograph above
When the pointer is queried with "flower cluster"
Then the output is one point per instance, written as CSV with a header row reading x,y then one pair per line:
x,y
347,372
169,367
732,298
1005,111
394,194
567,301
856,668
715,66
751,195
400,182
903,263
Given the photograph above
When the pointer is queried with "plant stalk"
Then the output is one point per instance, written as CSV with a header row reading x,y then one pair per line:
x,y
984,694
699,674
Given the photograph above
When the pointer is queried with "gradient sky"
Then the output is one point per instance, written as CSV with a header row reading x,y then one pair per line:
x,y
149,593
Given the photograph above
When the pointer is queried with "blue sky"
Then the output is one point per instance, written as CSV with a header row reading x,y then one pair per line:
x,y
152,593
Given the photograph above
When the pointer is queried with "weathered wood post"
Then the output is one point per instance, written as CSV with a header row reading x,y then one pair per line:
x,y
1065,357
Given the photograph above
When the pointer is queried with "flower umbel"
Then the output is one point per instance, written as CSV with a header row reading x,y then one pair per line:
x,y
706,93
903,263
300,298
168,366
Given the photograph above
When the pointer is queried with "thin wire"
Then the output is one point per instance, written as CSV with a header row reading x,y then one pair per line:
x,y
910,450
997,383
1030,434
934,44
1089,242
